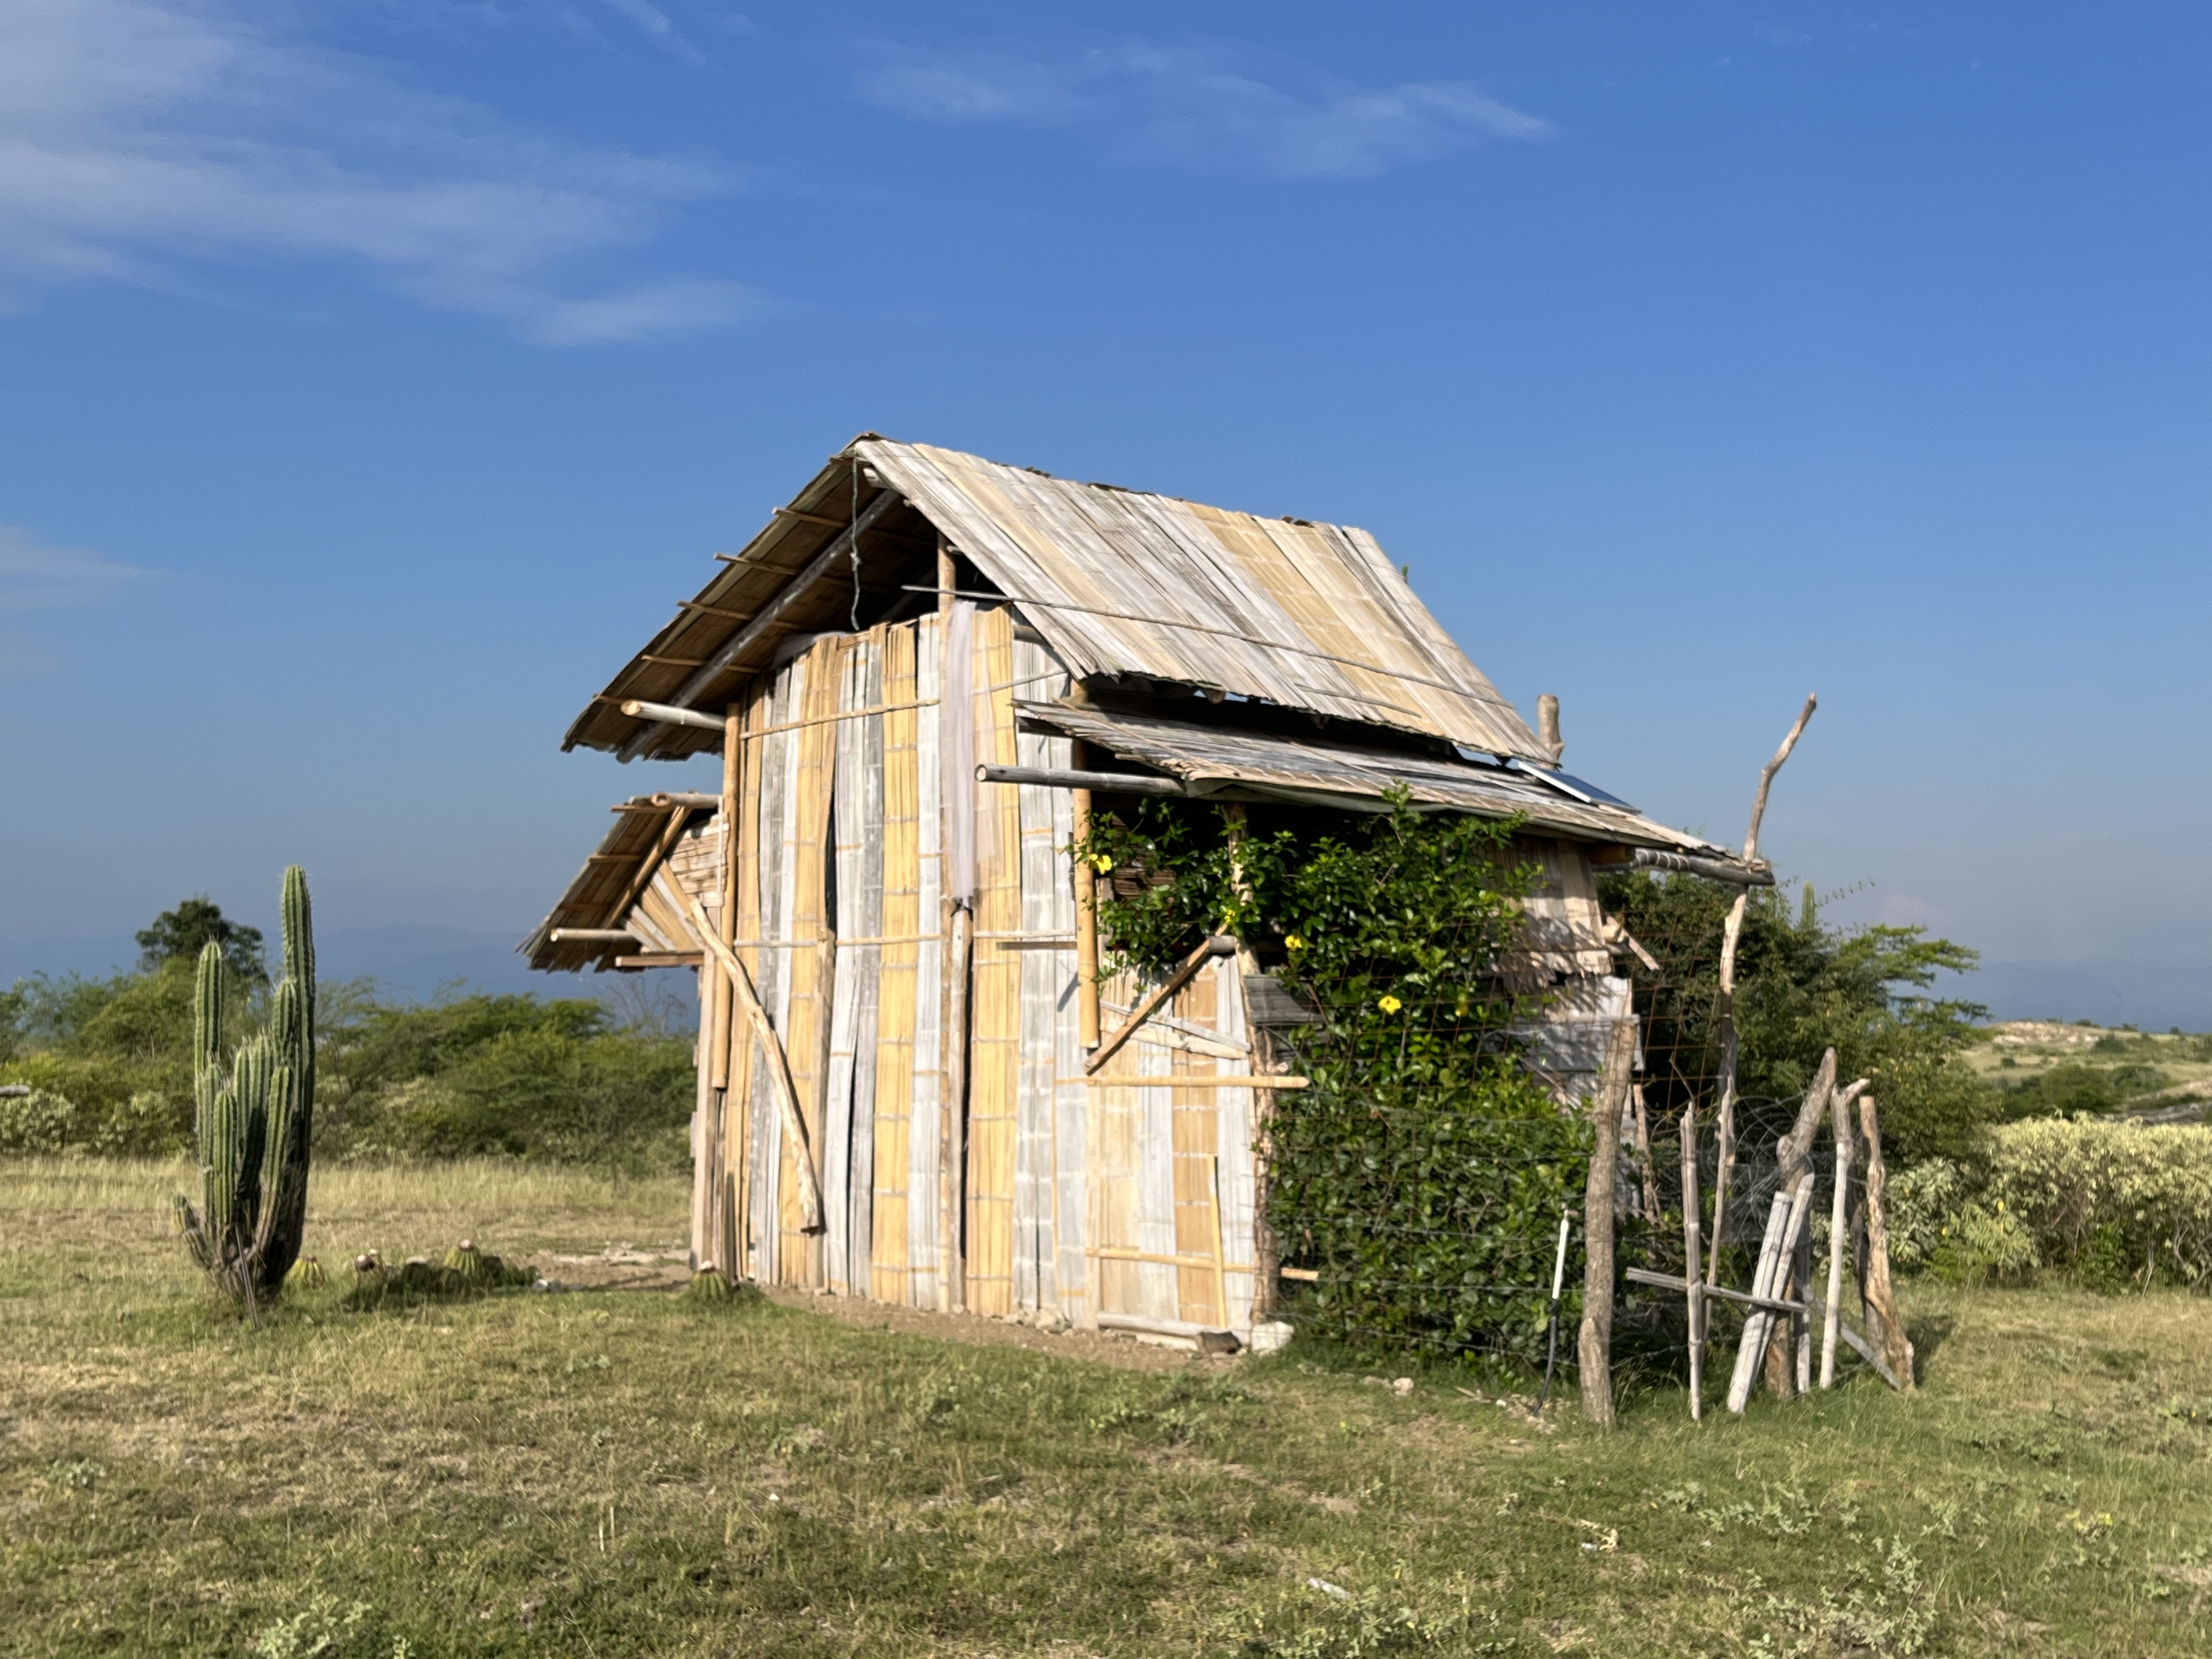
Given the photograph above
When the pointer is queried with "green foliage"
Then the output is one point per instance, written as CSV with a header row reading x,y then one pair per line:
x,y
2070,1089
507,1075
181,934
1424,1169
1803,987
2111,1205
254,1126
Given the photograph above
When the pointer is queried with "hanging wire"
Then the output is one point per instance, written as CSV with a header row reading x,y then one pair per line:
x,y
855,548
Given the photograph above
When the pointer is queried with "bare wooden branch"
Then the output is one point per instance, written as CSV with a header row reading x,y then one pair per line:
x,y
592,936
1216,945
689,798
1731,931
1886,1325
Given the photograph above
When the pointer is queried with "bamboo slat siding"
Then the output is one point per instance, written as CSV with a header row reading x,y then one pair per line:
x,y
889,1250
994,1042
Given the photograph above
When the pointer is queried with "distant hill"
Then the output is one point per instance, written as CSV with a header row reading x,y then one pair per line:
x,y
2151,996
408,963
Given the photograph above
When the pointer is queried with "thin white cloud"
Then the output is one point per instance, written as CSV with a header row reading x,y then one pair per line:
x,y
1200,109
137,137
36,577
658,29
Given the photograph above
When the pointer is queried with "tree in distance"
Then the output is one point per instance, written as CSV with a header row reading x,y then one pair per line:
x,y
185,932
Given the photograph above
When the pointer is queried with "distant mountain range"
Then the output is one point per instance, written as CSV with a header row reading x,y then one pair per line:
x,y
412,963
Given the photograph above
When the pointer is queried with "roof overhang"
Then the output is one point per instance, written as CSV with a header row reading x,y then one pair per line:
x,y
1230,764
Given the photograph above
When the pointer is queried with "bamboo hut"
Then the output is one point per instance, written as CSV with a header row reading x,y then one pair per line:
x,y
920,675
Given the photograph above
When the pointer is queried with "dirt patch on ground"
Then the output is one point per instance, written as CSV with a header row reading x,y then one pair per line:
x,y
1127,1352
621,1268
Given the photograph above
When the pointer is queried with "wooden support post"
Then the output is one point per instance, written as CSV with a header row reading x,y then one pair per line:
x,y
1547,729
1691,1286
1886,1324
1593,1349
1185,971
1731,931
1086,918
702,1122
1839,1218
729,1196
794,1124
1220,1265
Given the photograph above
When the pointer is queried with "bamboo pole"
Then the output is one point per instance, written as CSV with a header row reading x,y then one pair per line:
x,y
956,716
1185,971
1220,1270
1838,1217
1086,914
726,1198
1725,1129
1593,1348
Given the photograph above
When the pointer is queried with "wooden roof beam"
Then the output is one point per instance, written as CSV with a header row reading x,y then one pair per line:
x,y
771,615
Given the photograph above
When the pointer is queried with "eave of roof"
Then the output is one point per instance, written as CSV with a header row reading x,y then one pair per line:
x,y
1318,772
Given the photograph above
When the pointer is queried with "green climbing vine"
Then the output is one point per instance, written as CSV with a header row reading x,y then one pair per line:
x,y
1422,1174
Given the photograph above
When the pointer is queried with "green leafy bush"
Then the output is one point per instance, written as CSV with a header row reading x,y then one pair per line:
x,y
1422,1174
2111,1204
109,1061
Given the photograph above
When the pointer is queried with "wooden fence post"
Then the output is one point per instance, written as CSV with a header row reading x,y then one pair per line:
x,y
1888,1332
1595,1347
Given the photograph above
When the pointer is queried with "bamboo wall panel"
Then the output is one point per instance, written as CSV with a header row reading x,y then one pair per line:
x,y
1045,825
746,1081
1197,1138
806,1026
1236,1133
923,1142
857,815
995,1054
778,763
901,920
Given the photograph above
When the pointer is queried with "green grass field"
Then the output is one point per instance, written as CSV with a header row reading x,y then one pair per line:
x,y
627,1472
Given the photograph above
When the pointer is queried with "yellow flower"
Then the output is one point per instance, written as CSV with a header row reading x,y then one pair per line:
x,y
1295,942
1389,1004
1101,863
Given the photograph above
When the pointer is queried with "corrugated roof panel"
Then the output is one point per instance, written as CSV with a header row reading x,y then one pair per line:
x,y
1264,760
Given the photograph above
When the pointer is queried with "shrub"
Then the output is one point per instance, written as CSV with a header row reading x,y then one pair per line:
x,y
2092,1192
1422,1174
2109,1203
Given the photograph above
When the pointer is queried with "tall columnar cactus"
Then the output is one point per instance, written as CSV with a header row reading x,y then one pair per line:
x,y
254,1125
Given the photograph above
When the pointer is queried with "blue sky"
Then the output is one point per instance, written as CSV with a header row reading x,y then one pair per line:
x,y
374,376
